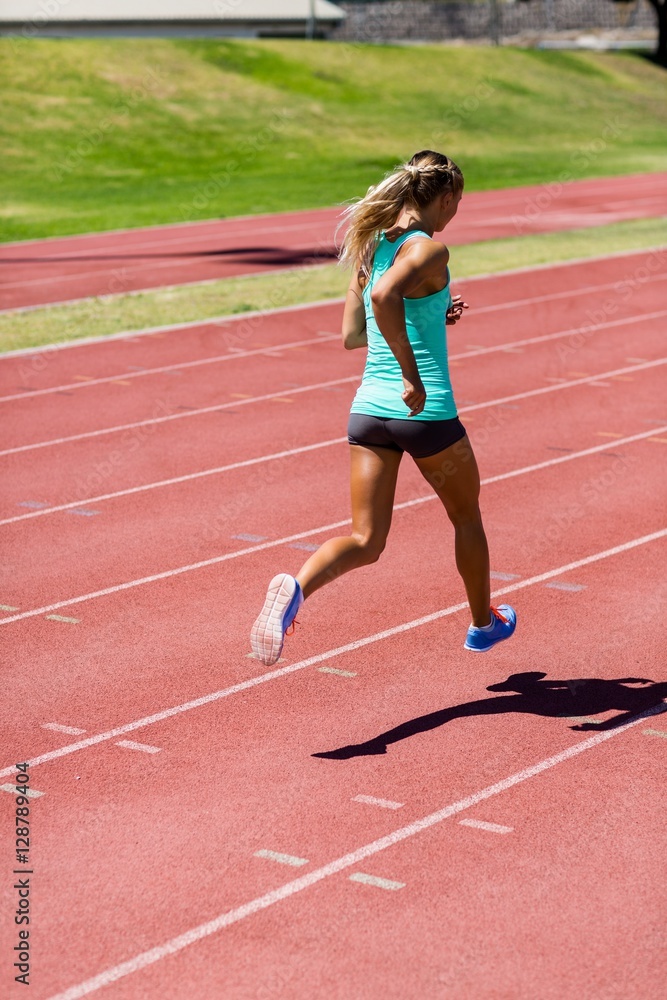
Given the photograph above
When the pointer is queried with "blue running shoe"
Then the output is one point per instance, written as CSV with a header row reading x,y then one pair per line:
x,y
504,623
283,600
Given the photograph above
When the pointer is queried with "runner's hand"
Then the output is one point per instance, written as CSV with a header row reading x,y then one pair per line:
x,y
414,395
456,309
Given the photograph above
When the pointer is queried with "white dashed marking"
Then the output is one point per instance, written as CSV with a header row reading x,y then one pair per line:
x,y
57,728
481,825
369,800
381,883
283,859
131,745
30,793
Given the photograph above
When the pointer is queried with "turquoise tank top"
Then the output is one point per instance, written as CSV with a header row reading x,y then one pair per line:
x,y
379,394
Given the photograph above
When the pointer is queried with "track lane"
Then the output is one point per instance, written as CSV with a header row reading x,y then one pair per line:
x,y
181,395
519,535
614,280
70,268
275,727
119,540
276,753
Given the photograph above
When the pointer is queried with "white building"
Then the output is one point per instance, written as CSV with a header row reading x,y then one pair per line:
x,y
165,18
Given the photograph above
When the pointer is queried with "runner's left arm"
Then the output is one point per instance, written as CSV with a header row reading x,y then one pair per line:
x,y
354,315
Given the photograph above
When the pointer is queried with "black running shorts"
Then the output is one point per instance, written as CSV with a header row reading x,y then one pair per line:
x,y
420,438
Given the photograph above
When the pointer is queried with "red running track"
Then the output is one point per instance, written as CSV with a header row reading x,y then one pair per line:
x,y
69,268
146,864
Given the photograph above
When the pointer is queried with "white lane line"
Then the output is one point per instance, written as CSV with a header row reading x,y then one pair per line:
x,y
380,883
283,859
132,336
552,296
320,338
481,825
285,540
187,414
195,934
335,670
214,233
184,479
131,745
29,793
315,245
320,385
370,800
476,351
174,369
329,214
329,654
58,728
328,218
227,468
574,262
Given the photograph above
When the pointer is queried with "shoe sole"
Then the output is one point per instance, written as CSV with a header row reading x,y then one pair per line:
x,y
267,636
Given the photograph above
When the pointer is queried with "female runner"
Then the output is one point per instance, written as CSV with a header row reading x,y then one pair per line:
x,y
397,304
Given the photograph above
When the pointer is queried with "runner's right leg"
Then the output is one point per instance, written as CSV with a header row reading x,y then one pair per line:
x,y
374,471
373,475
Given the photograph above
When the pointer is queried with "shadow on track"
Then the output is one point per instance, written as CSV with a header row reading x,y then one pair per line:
x,y
251,255
533,696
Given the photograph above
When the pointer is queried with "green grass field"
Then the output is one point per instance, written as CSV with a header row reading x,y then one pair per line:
x,y
101,134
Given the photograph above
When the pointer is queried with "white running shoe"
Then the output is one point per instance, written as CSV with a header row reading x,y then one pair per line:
x,y
283,600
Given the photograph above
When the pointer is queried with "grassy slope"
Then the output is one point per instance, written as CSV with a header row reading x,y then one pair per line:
x,y
96,317
101,134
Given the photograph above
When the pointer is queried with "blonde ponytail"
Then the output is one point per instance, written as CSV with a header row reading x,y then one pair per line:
x,y
418,182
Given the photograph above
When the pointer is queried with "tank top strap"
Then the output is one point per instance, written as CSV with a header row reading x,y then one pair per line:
x,y
397,244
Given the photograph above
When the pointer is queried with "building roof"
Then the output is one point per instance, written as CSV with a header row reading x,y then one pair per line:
x,y
232,11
